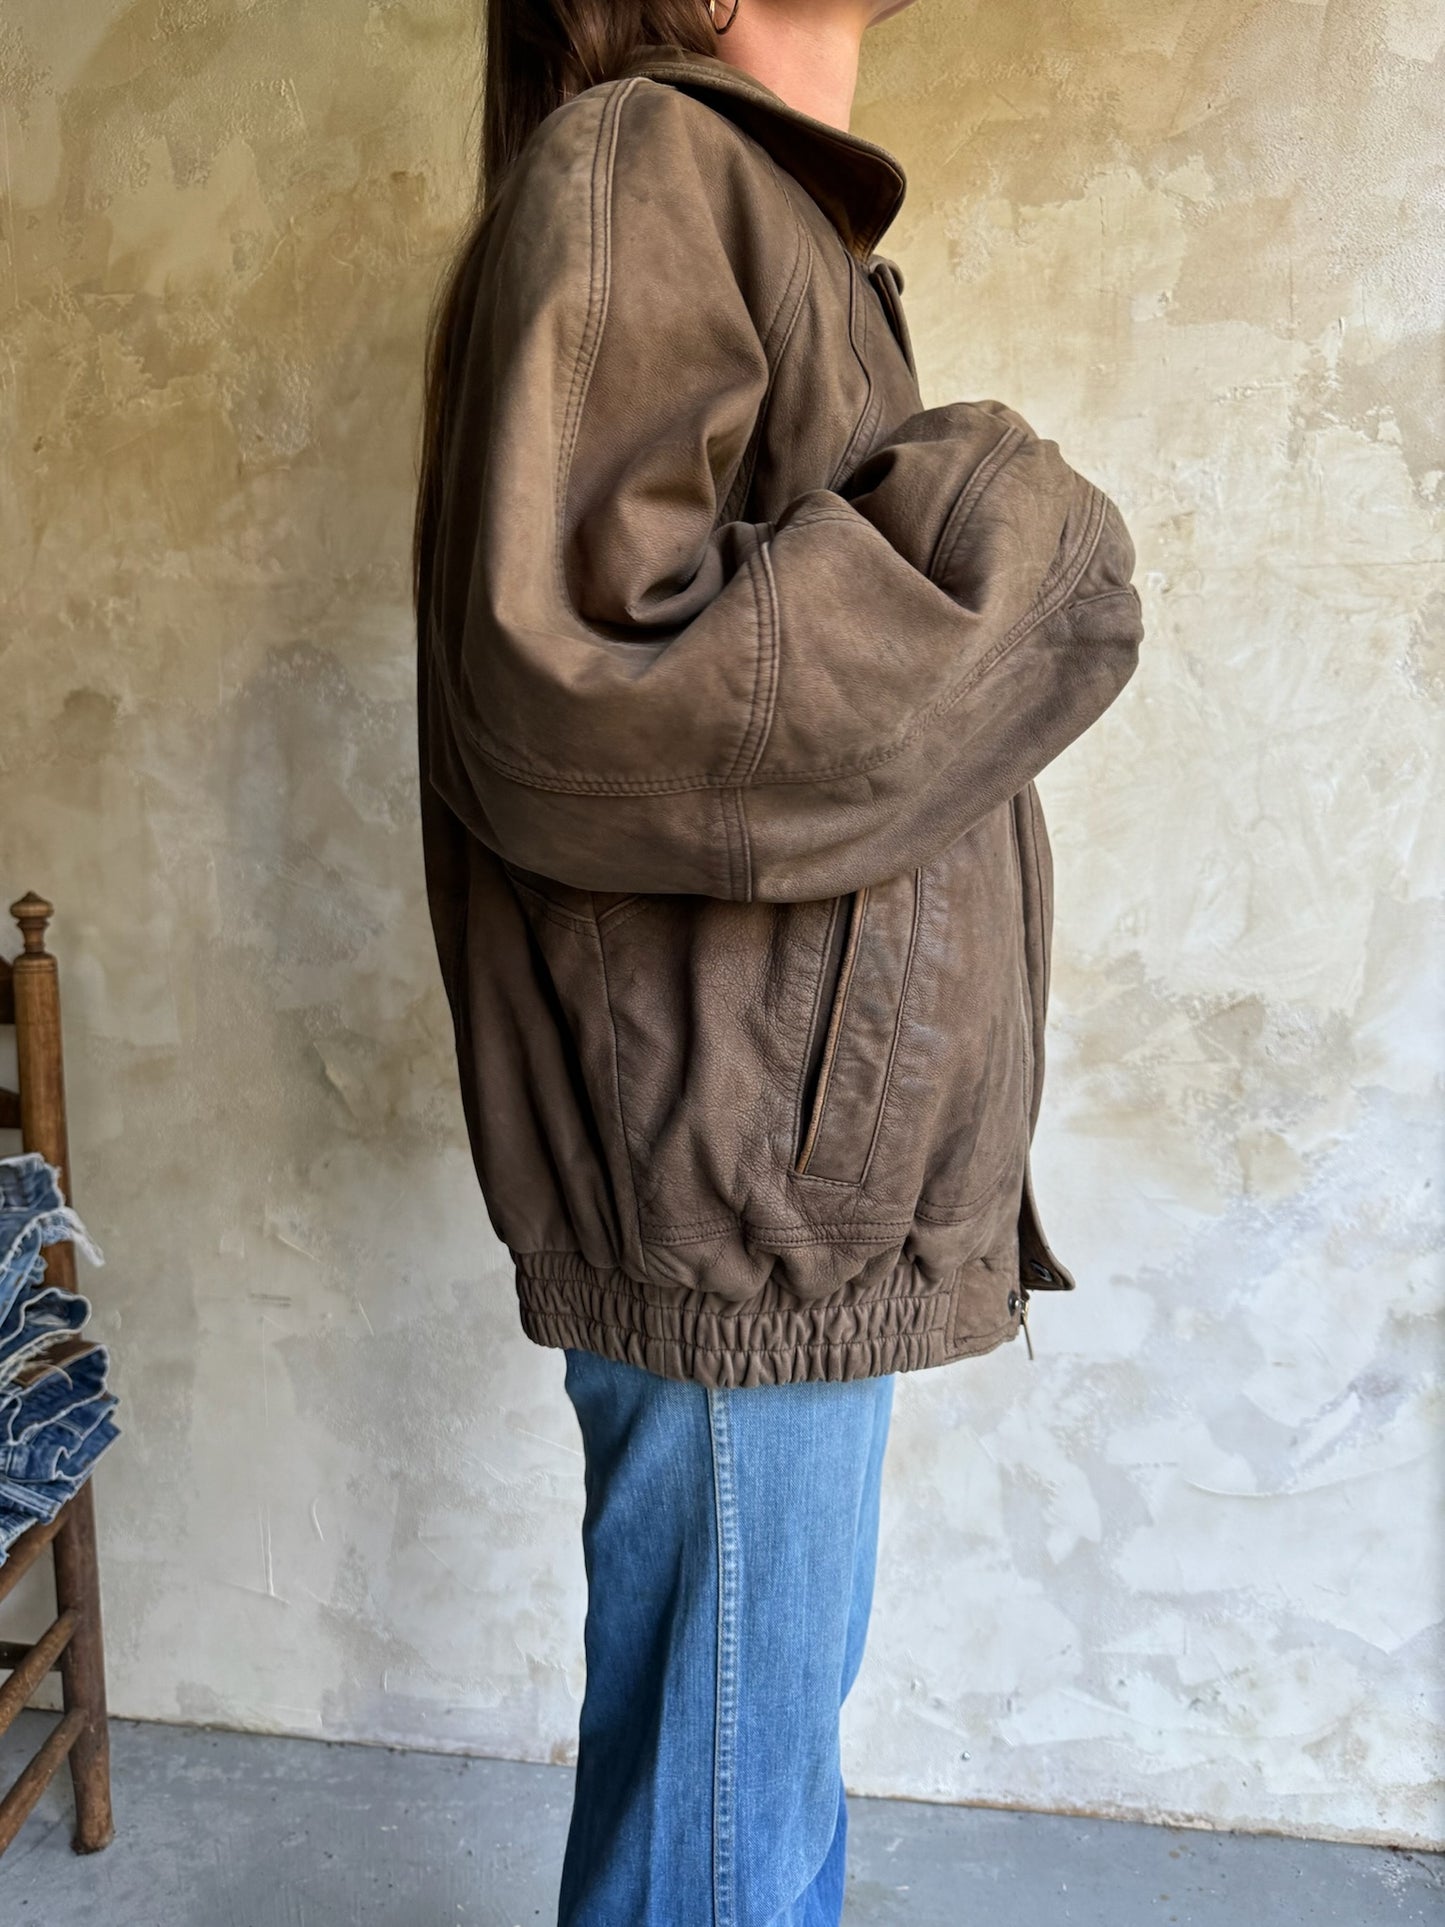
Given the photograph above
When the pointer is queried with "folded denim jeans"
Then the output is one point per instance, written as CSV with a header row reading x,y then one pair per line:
x,y
36,1318
63,1461
55,1418
55,1401
31,1202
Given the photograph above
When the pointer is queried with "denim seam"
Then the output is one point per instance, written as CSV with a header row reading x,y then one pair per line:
x,y
726,1701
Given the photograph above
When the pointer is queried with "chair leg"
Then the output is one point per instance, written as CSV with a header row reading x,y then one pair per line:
x,y
82,1672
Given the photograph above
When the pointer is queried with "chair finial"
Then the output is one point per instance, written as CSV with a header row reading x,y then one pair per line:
x,y
32,913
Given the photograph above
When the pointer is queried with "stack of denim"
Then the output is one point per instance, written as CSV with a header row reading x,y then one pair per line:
x,y
55,1418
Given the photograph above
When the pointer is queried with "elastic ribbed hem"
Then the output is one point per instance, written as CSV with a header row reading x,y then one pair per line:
x,y
565,1302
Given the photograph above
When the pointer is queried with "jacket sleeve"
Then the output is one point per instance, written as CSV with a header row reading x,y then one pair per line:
x,y
640,692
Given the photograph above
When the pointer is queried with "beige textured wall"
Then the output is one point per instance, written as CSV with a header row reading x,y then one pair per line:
x,y
1185,1563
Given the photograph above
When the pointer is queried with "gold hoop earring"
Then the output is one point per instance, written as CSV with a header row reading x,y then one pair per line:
x,y
712,15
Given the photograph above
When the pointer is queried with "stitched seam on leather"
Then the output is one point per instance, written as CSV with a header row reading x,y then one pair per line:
x,y
552,911
899,319
617,1091
730,776
769,630
1026,988
1106,595
659,1230
798,257
869,1341
951,533
963,1343
1038,611
872,400
657,1297
776,1235
769,625
815,1012
1065,564
608,919
801,273
572,783
821,512
935,1211
750,745
802,260
813,1310
727,824
744,873
621,913
887,1102
1034,811
599,274
1088,541
1058,582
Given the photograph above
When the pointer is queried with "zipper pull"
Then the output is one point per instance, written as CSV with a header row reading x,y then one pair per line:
x,y
1024,1319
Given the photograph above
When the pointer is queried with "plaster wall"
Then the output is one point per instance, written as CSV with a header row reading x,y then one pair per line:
x,y
1187,1562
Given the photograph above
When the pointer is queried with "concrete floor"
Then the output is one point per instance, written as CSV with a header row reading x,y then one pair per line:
x,y
234,1830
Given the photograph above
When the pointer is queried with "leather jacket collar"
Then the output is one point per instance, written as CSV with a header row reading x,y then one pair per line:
x,y
859,185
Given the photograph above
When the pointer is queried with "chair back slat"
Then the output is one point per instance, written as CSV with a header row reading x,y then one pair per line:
x,y
74,1643
33,983
9,1100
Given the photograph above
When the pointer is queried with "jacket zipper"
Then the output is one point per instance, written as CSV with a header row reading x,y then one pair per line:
x,y
1027,1013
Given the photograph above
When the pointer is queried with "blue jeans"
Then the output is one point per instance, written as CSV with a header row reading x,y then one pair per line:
x,y
55,1419
730,1540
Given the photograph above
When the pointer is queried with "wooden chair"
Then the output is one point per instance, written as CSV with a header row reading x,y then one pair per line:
x,y
72,1643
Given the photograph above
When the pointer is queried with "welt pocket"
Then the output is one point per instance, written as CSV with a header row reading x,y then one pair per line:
x,y
854,1038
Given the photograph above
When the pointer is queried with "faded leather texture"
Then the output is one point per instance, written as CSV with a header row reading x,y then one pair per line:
x,y
736,666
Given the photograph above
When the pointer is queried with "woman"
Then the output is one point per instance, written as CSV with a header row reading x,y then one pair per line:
x,y
736,668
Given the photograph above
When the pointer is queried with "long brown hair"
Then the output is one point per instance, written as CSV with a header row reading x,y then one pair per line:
x,y
538,54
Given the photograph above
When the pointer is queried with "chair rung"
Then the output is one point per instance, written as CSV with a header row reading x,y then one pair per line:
x,y
12,1652
35,1777
36,1663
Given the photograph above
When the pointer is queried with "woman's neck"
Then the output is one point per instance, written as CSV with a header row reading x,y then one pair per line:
x,y
807,55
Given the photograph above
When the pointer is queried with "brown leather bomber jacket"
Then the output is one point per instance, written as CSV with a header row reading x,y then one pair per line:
x,y
736,665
